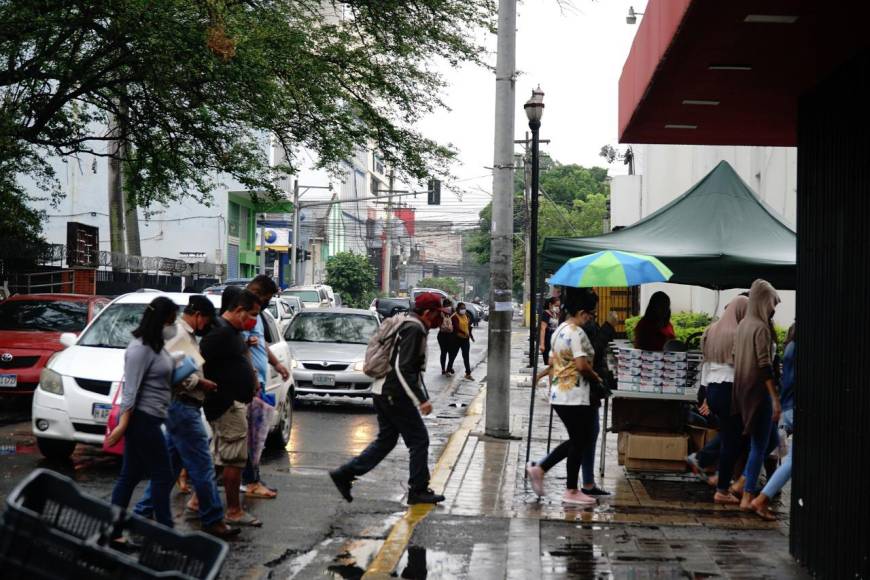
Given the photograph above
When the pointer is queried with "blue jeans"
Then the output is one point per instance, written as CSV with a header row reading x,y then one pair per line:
x,y
145,457
187,442
781,476
759,436
589,453
730,429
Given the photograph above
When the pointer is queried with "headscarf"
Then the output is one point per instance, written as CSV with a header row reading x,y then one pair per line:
x,y
719,338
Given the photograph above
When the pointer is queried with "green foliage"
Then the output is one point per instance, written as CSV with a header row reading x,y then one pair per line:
x,y
572,202
22,232
199,89
352,276
448,284
688,324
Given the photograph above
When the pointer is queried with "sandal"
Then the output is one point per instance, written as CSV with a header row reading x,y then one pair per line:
x,y
729,499
246,519
766,515
261,491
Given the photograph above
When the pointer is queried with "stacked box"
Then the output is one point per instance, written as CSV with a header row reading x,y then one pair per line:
x,y
652,371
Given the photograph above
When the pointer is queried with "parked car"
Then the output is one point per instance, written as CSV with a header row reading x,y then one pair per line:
x,y
76,387
283,309
315,296
30,330
328,348
387,307
475,311
218,289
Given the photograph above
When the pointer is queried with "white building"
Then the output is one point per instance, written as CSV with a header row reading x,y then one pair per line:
x,y
664,172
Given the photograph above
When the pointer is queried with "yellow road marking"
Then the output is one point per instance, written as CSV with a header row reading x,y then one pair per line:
x,y
387,559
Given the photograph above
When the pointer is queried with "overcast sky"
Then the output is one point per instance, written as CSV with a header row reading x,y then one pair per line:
x,y
576,54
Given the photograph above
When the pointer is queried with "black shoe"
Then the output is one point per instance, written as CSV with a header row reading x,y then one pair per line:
x,y
342,483
221,530
595,491
425,496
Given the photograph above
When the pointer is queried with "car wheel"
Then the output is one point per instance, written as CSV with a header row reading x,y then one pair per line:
x,y
55,448
280,436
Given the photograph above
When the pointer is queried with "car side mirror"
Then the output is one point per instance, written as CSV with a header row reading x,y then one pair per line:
x,y
67,339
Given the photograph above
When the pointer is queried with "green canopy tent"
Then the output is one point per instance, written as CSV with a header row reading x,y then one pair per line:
x,y
719,234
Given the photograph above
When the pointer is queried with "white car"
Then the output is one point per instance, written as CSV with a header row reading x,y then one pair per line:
x,y
316,296
75,391
283,309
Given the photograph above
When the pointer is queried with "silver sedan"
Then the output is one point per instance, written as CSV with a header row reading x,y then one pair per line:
x,y
328,348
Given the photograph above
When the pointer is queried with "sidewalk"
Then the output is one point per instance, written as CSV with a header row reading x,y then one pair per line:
x,y
652,526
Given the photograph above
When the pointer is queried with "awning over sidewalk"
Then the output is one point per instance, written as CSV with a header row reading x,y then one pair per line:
x,y
719,234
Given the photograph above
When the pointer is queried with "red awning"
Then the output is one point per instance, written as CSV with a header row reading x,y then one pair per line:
x,y
730,72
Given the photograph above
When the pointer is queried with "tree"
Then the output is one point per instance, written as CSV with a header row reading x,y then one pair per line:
x,y
448,284
197,89
22,233
352,276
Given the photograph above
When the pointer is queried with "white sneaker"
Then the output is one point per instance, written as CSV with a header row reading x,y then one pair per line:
x,y
536,478
243,488
577,497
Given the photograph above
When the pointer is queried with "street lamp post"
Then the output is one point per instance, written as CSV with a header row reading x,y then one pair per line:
x,y
534,111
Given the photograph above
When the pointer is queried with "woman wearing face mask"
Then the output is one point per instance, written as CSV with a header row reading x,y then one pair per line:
x,y
549,322
144,404
462,337
572,359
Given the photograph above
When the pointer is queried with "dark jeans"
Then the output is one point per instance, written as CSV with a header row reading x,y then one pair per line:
x,y
589,452
730,430
396,416
445,341
760,436
463,344
187,442
709,454
579,421
145,457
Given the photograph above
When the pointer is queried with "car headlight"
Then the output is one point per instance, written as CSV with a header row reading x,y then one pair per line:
x,y
294,364
51,381
358,365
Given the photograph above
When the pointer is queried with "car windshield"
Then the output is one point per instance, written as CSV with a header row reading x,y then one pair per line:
x,y
304,295
273,309
114,327
332,327
48,315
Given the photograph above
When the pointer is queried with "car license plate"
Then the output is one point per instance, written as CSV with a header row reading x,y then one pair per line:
x,y
100,412
8,381
324,380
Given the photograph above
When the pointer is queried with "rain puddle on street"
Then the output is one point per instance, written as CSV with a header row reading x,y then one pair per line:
x,y
418,563
353,559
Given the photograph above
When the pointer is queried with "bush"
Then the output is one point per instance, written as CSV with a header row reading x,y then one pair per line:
x,y
689,324
352,276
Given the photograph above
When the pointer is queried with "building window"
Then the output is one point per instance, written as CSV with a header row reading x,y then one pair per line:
x,y
232,261
233,222
375,186
243,223
378,163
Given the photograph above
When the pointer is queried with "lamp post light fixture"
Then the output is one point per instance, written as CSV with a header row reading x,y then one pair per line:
x,y
534,111
632,15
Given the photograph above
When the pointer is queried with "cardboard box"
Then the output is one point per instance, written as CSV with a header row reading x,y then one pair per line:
x,y
676,356
645,387
630,353
671,389
621,443
651,355
657,452
700,436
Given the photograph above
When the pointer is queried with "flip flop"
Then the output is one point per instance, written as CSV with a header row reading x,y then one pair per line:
x,y
257,492
731,500
246,520
766,515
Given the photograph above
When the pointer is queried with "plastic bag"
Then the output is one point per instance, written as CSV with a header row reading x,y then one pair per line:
x,y
112,423
260,416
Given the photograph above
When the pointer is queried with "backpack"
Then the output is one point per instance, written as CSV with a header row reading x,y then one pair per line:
x,y
379,353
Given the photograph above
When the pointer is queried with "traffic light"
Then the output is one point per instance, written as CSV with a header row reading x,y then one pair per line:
x,y
434,192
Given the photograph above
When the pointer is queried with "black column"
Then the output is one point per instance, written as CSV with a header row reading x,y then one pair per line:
x,y
830,524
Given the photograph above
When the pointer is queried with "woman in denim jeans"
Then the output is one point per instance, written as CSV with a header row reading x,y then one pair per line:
x,y
144,405
783,474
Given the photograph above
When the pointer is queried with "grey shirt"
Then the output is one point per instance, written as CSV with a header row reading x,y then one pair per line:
x,y
147,377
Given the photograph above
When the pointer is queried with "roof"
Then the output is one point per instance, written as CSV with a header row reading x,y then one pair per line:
x,y
56,297
319,311
718,234
180,298
731,72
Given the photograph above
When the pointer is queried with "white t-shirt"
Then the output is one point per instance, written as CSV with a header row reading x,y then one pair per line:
x,y
569,386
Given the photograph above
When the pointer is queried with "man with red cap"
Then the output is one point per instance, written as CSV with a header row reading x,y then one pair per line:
x,y
400,404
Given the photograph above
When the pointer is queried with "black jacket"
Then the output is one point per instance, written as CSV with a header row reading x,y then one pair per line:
x,y
406,377
228,364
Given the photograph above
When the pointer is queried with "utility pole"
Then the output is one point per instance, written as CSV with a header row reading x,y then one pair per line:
x,y
387,275
501,309
527,196
262,260
295,232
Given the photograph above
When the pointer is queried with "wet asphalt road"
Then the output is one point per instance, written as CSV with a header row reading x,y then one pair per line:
x,y
309,531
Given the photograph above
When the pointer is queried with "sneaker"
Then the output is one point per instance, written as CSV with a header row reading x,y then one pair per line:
x,y
342,483
595,491
425,496
697,470
577,497
468,377
243,488
536,478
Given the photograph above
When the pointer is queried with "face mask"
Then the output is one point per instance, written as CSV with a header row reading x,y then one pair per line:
x,y
202,331
462,311
249,324
169,332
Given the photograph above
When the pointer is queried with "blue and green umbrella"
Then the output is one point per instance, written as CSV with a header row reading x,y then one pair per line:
x,y
611,268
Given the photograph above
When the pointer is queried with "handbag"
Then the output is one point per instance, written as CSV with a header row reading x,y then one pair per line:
x,y
112,423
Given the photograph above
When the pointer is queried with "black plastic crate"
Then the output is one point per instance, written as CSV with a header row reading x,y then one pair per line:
x,y
52,530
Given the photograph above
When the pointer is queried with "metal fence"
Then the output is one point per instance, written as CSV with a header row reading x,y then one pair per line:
x,y
55,254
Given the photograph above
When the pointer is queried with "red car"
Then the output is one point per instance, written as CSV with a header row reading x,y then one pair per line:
x,y
30,329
